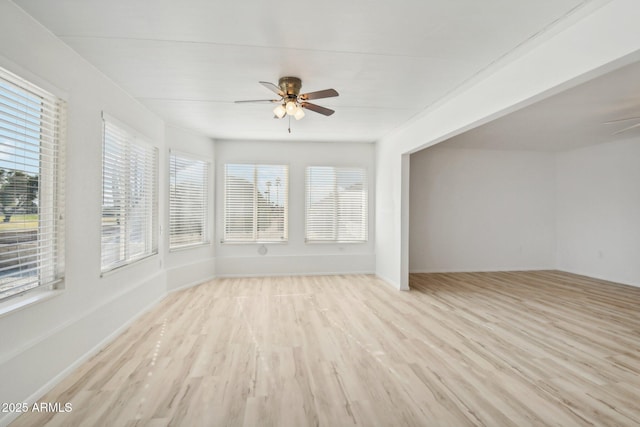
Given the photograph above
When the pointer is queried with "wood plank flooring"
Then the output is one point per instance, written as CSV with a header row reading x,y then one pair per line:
x,y
464,349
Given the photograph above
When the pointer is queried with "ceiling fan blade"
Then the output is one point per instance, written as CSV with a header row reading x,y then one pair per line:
x,y
327,93
258,101
273,88
317,108
637,125
621,120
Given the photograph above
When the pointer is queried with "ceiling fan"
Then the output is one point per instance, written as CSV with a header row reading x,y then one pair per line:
x,y
633,126
291,102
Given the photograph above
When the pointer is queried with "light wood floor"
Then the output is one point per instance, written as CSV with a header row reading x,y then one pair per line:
x,y
494,349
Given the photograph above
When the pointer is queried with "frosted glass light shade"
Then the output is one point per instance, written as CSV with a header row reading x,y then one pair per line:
x,y
291,108
279,111
299,113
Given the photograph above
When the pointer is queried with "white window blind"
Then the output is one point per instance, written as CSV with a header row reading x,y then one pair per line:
x,y
188,201
129,197
256,203
336,205
32,125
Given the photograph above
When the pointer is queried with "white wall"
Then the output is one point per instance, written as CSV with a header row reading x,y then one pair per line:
x,y
194,265
486,210
606,39
598,221
296,256
481,210
43,342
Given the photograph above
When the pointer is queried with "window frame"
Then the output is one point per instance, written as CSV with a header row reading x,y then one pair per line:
x,y
336,207
285,217
50,114
133,138
206,223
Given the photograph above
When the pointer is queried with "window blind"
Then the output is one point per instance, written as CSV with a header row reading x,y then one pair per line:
x,y
256,203
129,197
336,204
188,201
32,126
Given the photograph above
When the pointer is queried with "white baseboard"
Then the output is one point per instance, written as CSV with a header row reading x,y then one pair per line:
x,y
324,273
600,277
65,333
288,265
564,270
477,270
389,282
192,284
188,275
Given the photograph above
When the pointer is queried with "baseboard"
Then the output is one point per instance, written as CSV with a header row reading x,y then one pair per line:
x,y
563,270
389,282
288,265
192,274
600,277
329,273
192,284
476,270
77,319
18,364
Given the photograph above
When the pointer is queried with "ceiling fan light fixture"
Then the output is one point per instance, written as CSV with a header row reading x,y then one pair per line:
x,y
291,102
291,107
279,111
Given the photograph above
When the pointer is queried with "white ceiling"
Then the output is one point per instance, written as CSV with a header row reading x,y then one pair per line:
x,y
189,60
574,118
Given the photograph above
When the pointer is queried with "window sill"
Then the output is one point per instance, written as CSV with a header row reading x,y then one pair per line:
x,y
255,242
335,242
113,270
30,298
190,246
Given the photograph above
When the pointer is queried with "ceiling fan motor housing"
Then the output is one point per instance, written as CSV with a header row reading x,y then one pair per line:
x,y
290,86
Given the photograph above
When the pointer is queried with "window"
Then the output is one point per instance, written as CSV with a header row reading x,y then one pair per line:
x,y
188,202
256,203
336,204
32,124
129,197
